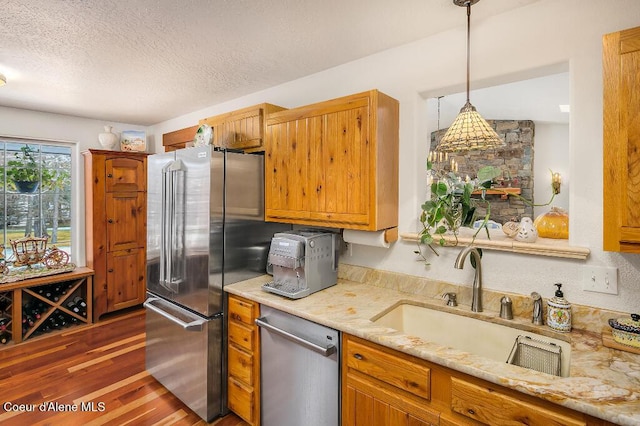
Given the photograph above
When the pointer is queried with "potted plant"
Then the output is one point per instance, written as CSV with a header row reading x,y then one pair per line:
x,y
451,206
24,171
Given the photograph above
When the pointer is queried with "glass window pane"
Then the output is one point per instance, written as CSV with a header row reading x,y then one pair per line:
x,y
35,193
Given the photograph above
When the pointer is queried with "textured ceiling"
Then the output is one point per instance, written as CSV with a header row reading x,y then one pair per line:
x,y
146,61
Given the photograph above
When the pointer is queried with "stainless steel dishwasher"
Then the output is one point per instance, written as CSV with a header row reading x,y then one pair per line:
x,y
300,371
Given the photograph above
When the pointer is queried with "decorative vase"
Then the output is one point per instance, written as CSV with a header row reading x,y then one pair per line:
x,y
553,224
107,139
527,232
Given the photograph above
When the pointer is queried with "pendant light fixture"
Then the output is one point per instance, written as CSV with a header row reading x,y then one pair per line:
x,y
469,130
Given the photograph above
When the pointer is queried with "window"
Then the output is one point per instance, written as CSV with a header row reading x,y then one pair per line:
x,y
35,197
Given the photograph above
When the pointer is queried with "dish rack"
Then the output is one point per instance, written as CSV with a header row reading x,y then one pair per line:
x,y
538,355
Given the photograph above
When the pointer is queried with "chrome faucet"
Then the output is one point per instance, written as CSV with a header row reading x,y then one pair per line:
x,y
476,300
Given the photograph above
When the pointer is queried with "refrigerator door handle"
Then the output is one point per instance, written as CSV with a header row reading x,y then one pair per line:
x,y
165,218
195,325
322,350
170,229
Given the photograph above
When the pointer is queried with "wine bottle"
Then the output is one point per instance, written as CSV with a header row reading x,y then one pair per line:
x,y
62,320
3,323
81,304
4,337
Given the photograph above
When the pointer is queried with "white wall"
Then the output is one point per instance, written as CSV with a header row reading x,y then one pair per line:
x,y
551,147
80,134
544,34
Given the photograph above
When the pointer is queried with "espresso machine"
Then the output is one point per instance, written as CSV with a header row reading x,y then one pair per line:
x,y
302,262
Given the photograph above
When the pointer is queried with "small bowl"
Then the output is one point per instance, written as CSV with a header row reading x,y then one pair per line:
x,y
626,331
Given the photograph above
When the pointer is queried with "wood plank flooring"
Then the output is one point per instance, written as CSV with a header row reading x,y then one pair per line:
x,y
100,370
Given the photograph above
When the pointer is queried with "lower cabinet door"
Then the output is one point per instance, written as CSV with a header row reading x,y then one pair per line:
x,y
368,404
240,400
125,279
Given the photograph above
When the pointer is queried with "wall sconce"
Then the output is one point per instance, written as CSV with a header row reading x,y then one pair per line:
x,y
556,181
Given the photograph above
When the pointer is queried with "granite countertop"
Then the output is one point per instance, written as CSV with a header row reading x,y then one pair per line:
x,y
603,382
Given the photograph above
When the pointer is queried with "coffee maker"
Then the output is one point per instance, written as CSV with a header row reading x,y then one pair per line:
x,y
302,262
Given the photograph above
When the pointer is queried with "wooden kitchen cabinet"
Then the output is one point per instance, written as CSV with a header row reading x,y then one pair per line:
x,y
384,387
334,163
621,101
380,387
178,139
115,216
241,129
244,359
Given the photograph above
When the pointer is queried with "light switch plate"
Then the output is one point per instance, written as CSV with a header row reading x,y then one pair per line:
x,y
600,279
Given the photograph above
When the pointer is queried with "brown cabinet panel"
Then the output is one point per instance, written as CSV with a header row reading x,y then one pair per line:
x,y
241,310
487,405
241,129
115,217
241,400
179,139
403,374
126,217
244,359
377,384
241,365
334,163
125,279
621,84
125,174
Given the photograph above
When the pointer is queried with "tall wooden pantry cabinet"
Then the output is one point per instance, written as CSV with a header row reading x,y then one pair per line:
x,y
116,215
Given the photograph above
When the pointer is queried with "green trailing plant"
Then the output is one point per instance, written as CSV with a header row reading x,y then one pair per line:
x,y
451,206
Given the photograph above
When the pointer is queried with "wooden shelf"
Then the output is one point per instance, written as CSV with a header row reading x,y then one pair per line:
x,y
503,192
79,281
499,241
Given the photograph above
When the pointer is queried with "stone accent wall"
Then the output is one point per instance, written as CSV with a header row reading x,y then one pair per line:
x,y
515,160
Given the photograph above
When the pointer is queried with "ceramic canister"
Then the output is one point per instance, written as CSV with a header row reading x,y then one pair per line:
x,y
559,312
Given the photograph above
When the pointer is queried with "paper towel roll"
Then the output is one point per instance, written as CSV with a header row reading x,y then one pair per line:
x,y
366,238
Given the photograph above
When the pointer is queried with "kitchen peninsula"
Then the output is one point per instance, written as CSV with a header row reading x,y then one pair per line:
x,y
603,383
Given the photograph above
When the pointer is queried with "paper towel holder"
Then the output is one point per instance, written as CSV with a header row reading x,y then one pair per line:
x,y
391,235
379,238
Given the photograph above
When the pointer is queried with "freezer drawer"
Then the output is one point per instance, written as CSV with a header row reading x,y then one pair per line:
x,y
184,353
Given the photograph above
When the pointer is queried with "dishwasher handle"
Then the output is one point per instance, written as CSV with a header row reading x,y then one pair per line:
x,y
322,350
195,325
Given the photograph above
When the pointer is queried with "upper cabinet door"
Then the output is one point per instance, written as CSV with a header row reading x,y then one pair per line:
x,y
126,217
125,174
242,129
621,83
334,163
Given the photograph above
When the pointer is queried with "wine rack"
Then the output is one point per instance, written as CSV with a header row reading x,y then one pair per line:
x,y
6,316
47,304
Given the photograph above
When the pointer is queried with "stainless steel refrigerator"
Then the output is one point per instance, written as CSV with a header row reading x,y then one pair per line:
x,y
205,229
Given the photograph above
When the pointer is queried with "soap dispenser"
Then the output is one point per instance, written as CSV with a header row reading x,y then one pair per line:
x,y
559,311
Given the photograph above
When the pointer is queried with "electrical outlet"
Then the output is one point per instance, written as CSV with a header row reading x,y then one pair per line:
x,y
600,279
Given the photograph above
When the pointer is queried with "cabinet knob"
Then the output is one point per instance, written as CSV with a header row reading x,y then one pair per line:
x,y
110,220
470,411
358,357
110,270
109,175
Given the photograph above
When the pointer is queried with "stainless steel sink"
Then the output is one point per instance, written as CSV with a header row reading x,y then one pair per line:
x,y
468,334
